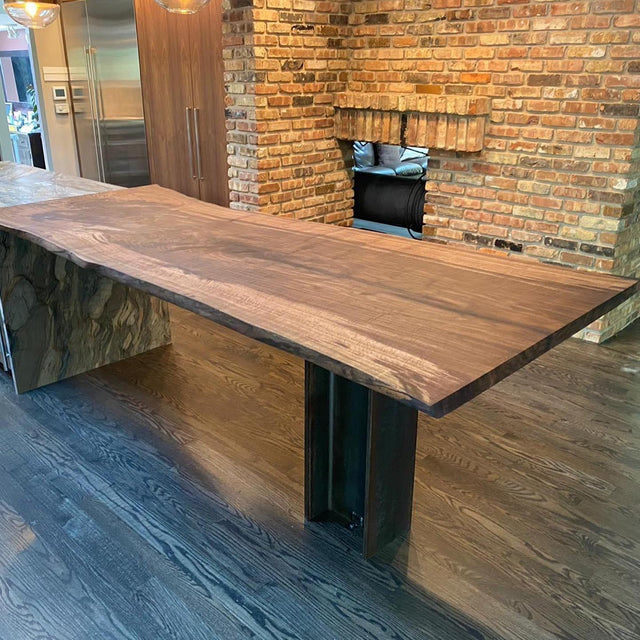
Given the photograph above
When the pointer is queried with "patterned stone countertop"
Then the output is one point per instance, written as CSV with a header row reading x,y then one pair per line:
x,y
21,184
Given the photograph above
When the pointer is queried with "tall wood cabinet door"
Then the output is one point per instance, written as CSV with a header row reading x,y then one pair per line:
x,y
165,61
207,70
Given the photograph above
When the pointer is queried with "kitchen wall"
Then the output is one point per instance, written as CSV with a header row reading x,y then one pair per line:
x,y
60,146
19,43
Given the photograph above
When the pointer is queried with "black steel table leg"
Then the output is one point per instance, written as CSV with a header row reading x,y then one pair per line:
x,y
360,451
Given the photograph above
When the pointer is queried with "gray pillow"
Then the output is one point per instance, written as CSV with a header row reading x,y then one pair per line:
x,y
389,154
364,155
408,169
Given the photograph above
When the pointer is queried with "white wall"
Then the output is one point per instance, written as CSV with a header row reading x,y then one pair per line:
x,y
47,48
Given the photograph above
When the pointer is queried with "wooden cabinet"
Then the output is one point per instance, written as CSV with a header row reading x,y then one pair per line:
x,y
183,93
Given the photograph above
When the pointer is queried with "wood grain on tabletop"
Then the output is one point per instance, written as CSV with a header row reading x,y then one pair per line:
x,y
429,325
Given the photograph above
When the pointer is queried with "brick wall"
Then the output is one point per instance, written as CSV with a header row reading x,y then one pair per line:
x,y
627,254
240,81
290,163
555,180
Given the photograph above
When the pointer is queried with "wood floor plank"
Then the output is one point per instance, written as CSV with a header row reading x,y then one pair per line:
x,y
167,524
33,579
171,486
175,618
81,484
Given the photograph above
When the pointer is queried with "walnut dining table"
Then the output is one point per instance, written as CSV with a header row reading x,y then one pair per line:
x,y
388,327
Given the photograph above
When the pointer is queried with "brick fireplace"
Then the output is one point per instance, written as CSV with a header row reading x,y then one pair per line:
x,y
530,110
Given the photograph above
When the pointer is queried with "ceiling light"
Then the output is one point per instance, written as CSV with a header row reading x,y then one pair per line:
x,y
183,6
33,15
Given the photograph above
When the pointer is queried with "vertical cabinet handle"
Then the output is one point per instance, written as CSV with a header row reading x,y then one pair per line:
x,y
190,143
196,120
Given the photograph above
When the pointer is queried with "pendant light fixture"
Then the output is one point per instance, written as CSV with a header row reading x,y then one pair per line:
x,y
183,6
33,15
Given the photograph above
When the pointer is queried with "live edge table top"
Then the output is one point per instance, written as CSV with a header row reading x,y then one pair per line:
x,y
430,325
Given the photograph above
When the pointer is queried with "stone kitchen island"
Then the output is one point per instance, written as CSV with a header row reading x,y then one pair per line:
x,y
59,320
21,184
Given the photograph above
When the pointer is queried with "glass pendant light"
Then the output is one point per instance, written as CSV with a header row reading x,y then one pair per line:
x,y
183,6
33,15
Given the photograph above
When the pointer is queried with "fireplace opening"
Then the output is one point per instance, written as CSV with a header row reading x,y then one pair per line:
x,y
389,188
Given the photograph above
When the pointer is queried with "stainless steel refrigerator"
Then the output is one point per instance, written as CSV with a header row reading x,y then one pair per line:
x,y
106,97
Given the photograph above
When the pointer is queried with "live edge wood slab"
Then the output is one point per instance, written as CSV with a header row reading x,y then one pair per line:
x,y
429,325
387,326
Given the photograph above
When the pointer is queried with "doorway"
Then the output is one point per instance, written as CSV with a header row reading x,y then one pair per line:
x,y
21,127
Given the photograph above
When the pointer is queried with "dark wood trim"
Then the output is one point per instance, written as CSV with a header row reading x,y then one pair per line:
x,y
182,76
207,71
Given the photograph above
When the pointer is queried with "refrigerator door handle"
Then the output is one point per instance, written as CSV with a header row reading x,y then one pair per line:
x,y
94,111
190,143
96,91
196,119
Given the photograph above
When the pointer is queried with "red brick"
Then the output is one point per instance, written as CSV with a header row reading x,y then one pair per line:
x,y
577,259
569,8
492,230
630,20
630,51
543,227
559,121
475,78
613,6
581,107
624,139
590,22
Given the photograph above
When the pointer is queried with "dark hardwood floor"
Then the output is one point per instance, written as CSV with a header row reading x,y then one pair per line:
x,y
162,497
